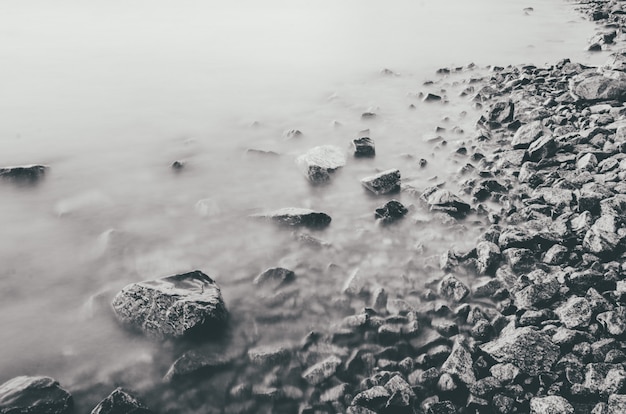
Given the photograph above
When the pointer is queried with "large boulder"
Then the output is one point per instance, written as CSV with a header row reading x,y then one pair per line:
x,y
292,216
594,86
34,395
318,163
173,306
120,402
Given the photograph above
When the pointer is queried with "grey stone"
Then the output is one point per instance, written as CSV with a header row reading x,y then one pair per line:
x,y
402,394
604,378
372,397
382,183
172,306
195,362
575,313
120,402
617,404
292,216
594,86
276,276
520,260
444,200
441,407
488,256
26,174
34,395
453,289
504,372
321,371
587,162
459,364
391,211
553,404
602,237
614,321
543,147
527,134
364,147
269,355
556,255
318,163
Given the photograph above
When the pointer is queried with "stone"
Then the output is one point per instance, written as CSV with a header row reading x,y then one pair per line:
x,y
276,276
172,306
431,97
441,407
593,86
291,216
501,112
587,162
120,402
321,371
556,255
318,163
444,200
335,393
504,372
372,398
488,256
604,378
527,134
453,289
520,260
602,237
502,404
391,211
530,350
401,390
34,395
196,362
485,387
553,404
269,355
614,321
24,174
383,183
616,404
544,147
575,313
364,147
459,364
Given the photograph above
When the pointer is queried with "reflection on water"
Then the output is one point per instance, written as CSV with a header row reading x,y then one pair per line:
x,y
109,94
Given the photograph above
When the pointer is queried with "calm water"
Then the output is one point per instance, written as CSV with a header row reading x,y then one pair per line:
x,y
110,93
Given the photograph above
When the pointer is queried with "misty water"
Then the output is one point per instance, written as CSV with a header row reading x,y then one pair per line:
x,y
109,93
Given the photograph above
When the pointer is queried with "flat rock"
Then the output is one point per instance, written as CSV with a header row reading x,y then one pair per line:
x,y
292,216
34,395
172,306
196,362
364,147
318,163
120,402
552,404
530,350
321,371
23,174
527,134
383,183
593,86
444,200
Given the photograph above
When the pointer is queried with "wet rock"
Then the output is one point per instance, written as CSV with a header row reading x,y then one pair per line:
x,y
444,200
575,313
276,276
318,163
459,364
25,174
593,86
34,395
172,306
552,404
527,134
488,256
321,371
364,147
453,289
391,211
530,350
383,183
291,216
197,362
118,402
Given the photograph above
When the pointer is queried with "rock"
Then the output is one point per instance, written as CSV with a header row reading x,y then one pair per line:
x,y
276,276
391,211
575,313
604,379
318,163
617,404
269,355
530,350
552,404
25,174
321,371
441,407
444,200
527,134
503,404
544,147
587,162
459,364
335,393
501,112
520,260
178,165
431,97
402,394
120,402
196,362
593,86
372,398
602,237
291,216
383,183
504,372
614,321
556,255
172,306
34,395
453,289
488,256
364,147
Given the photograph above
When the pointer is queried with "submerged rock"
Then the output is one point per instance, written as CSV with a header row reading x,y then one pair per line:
x,y
120,402
26,174
196,362
383,183
277,276
172,306
34,395
292,216
318,163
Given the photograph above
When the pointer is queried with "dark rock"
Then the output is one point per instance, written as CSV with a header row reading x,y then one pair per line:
x,y
453,289
485,387
391,211
196,362
441,407
372,398
364,147
520,260
172,306
178,165
502,404
544,147
402,394
269,355
444,200
120,402
368,115
530,350
34,395
501,112
277,276
431,97
527,134
291,216
383,183
552,404
25,174
318,163
537,293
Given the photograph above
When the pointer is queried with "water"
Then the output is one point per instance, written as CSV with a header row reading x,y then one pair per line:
x,y
110,93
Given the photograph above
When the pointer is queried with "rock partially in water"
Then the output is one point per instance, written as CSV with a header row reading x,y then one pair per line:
x,y
23,174
174,306
292,216
443,200
364,147
391,211
318,163
196,362
34,395
120,402
276,276
383,183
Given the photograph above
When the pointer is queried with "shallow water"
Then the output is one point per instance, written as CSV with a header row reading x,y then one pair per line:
x,y
110,93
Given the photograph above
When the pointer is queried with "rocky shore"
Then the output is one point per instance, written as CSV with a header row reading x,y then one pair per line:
x,y
532,319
